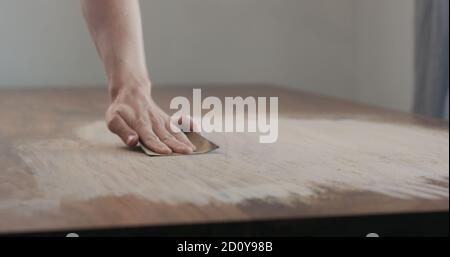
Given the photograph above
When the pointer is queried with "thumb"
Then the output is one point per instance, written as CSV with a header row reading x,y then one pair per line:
x,y
119,127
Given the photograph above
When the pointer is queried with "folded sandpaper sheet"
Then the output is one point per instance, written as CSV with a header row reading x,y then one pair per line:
x,y
202,145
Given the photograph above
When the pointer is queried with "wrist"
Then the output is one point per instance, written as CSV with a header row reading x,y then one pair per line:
x,y
127,83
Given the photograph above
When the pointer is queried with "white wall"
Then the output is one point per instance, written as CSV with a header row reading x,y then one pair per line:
x,y
298,43
334,47
384,63
43,42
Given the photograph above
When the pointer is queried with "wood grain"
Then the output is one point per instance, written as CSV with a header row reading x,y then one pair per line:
x,y
62,169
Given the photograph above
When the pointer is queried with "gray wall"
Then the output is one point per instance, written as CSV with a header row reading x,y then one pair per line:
x,y
384,64
334,47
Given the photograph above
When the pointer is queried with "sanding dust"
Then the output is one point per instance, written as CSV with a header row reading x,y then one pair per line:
x,y
311,155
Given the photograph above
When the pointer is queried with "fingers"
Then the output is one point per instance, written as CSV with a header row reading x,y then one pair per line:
x,y
154,133
171,141
119,127
183,139
186,123
148,138
180,136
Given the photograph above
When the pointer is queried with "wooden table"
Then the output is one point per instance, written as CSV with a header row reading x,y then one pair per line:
x,y
61,170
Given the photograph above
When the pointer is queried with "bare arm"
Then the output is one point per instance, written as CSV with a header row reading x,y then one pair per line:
x,y
115,26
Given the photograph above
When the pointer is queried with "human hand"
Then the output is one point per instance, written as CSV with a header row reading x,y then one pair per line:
x,y
135,117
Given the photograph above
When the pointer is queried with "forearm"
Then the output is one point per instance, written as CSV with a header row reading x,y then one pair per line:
x,y
116,28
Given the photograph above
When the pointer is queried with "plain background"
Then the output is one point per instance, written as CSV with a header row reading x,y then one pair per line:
x,y
361,50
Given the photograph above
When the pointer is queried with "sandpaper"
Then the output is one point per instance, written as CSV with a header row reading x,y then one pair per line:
x,y
202,145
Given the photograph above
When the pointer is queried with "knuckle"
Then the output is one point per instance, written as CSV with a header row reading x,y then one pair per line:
x,y
157,121
139,123
122,109
167,137
159,128
150,139
115,109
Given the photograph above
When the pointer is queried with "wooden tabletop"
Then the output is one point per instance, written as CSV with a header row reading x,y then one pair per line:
x,y
60,168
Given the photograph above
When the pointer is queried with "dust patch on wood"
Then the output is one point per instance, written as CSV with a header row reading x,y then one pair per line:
x,y
393,160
